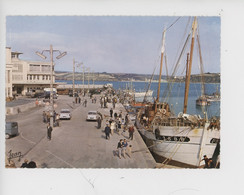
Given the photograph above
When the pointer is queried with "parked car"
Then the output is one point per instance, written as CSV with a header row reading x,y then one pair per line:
x,y
65,114
11,129
92,116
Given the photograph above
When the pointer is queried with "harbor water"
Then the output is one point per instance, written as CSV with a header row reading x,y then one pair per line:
x,y
176,97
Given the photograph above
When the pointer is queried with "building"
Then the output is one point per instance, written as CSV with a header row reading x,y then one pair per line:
x,y
25,76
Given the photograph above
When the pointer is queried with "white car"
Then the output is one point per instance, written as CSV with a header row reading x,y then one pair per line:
x,y
65,114
92,116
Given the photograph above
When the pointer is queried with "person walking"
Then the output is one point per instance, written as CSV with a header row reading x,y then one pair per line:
x,y
131,132
49,131
79,99
85,102
107,131
99,121
44,117
113,127
115,115
125,144
57,119
111,112
119,147
126,119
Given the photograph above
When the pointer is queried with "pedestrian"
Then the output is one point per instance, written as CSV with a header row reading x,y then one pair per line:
x,y
210,163
85,102
54,116
99,121
95,99
111,112
120,114
101,102
113,127
125,144
57,119
107,131
79,99
205,158
49,131
129,150
76,100
115,115
44,117
119,127
25,164
37,102
119,147
126,119
131,132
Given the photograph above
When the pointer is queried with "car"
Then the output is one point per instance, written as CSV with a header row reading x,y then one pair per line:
x,y
11,129
92,116
65,114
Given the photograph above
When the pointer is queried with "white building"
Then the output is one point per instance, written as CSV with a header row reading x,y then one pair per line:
x,y
25,76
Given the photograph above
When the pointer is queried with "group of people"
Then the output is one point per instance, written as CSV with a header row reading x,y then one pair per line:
x,y
123,148
46,116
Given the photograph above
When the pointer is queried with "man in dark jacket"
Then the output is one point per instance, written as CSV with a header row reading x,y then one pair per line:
x,y
49,131
111,112
107,131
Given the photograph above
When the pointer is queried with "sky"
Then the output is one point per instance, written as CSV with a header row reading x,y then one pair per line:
x,y
114,44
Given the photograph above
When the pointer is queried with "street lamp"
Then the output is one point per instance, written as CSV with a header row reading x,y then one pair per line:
x,y
84,69
74,62
51,51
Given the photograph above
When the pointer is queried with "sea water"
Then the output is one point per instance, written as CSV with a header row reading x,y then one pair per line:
x,y
175,98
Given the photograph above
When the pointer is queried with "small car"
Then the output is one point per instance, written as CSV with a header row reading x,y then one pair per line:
x,y
65,114
92,116
11,129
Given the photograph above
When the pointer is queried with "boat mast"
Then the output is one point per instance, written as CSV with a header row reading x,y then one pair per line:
x,y
194,26
201,66
161,67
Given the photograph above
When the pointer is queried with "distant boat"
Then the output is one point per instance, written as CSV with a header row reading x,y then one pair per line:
x,y
202,101
149,93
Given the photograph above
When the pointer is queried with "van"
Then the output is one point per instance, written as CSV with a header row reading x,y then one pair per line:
x,y
11,129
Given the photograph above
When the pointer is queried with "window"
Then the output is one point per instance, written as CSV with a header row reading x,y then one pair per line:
x,y
34,77
43,77
17,77
30,77
37,76
45,68
17,68
34,68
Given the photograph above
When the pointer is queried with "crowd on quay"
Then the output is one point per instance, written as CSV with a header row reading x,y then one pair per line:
x,y
117,123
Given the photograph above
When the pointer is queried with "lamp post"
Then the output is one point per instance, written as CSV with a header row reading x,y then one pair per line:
x,y
51,51
84,69
74,62
88,75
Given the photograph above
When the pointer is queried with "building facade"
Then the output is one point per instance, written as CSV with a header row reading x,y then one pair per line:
x,y
25,76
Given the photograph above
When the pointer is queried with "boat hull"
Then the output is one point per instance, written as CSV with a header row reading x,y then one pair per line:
x,y
169,149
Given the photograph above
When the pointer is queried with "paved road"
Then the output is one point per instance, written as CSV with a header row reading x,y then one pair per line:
x,y
76,143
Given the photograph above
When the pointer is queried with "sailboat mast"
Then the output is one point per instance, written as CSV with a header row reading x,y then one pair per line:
x,y
201,66
161,66
194,26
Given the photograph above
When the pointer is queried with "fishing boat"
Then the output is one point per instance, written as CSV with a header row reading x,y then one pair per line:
x,y
181,139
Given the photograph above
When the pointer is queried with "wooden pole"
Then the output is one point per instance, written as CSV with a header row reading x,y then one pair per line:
x,y
194,26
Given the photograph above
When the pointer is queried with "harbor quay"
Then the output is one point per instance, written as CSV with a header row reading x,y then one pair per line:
x,y
76,143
